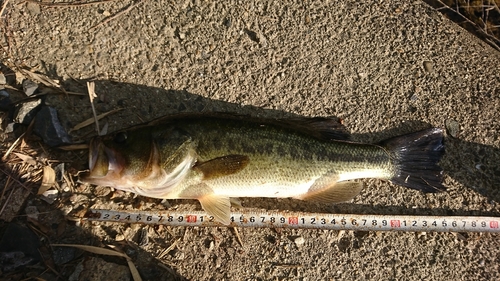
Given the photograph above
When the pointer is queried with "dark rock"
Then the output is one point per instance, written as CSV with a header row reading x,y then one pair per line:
x,y
62,255
5,101
11,261
29,87
49,128
26,111
18,247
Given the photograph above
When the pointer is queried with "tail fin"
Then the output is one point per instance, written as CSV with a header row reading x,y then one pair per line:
x,y
416,157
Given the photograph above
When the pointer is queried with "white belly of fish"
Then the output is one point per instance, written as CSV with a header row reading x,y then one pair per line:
x,y
269,186
260,189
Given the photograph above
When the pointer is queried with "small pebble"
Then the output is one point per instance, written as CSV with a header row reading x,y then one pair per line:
x,y
29,87
62,255
452,127
299,241
10,128
428,66
31,212
26,111
101,191
50,196
33,8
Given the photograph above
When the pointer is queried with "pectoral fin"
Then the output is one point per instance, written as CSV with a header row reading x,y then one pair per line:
x,y
217,206
222,166
336,192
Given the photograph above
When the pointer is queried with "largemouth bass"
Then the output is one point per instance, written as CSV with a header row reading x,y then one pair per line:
x,y
217,157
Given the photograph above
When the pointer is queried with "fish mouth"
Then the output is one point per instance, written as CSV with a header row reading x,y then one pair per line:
x,y
103,161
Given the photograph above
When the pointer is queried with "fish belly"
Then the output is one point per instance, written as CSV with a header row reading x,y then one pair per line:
x,y
278,179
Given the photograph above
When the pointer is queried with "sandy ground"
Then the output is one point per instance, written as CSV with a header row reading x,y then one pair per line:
x,y
385,68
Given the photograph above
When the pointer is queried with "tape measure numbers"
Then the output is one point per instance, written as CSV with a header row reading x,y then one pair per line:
x,y
305,221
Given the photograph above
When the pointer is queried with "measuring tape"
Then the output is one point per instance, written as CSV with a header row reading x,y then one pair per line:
x,y
305,221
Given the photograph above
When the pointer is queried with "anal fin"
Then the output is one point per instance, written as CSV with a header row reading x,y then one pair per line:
x,y
336,192
217,206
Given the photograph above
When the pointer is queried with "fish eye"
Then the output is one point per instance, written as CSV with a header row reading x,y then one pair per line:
x,y
121,137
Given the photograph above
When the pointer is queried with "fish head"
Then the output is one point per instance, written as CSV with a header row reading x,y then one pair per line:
x,y
119,157
149,161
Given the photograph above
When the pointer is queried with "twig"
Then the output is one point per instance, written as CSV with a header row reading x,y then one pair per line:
x,y
68,182
68,4
11,148
3,7
92,95
74,147
170,248
13,178
117,14
90,120
45,80
238,236
284,265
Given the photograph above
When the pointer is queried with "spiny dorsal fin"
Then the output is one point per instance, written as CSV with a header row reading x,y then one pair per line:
x,y
323,128
335,193
222,166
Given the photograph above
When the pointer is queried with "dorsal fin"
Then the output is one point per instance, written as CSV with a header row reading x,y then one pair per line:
x,y
324,128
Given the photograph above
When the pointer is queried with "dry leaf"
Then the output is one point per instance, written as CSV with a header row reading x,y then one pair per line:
x,y
48,180
26,158
41,78
133,270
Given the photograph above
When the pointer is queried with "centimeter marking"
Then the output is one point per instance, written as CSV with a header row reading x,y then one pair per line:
x,y
305,221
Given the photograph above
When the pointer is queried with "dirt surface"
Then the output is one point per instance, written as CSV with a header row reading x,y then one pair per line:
x,y
385,68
